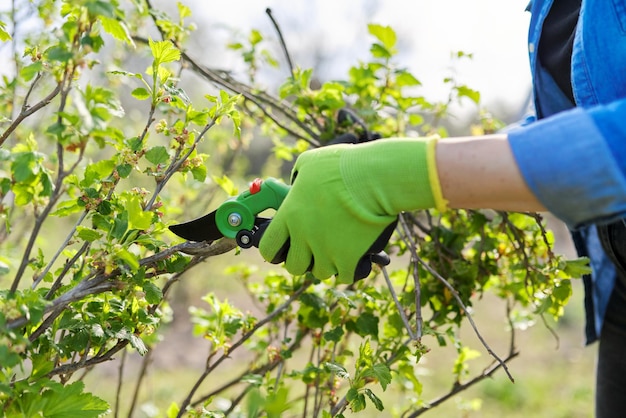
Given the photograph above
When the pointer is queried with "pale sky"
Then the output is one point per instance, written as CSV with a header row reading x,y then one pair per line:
x,y
331,35
494,31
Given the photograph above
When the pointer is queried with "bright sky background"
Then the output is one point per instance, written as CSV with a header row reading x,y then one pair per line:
x,y
494,31
331,35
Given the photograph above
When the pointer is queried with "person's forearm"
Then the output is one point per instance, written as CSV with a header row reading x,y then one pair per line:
x,y
481,173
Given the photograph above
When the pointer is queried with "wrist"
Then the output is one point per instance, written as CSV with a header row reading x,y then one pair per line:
x,y
481,173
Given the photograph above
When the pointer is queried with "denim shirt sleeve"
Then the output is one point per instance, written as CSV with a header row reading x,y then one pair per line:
x,y
574,163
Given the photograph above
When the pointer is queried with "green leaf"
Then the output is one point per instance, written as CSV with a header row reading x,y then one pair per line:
x,y
199,173
23,167
157,155
67,208
100,8
163,51
120,225
117,29
226,184
70,401
338,369
141,93
8,358
464,91
30,71
254,403
172,410
576,268
137,217
59,53
153,292
367,324
199,118
128,258
253,379
124,170
46,183
183,11
312,300
356,400
87,234
384,34
381,373
405,78
379,51
375,399
95,42
334,334
4,269
41,366
23,194
96,172
177,92
255,37
4,35
138,344
562,292
277,402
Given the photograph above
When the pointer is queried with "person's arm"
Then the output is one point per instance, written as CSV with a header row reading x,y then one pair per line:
x,y
481,172
344,197
575,163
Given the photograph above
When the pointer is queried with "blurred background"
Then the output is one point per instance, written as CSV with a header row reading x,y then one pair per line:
x,y
554,376
329,36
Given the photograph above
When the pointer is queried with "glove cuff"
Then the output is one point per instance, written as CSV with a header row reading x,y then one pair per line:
x,y
441,204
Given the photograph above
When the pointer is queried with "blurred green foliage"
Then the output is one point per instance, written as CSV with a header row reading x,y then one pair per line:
x,y
86,194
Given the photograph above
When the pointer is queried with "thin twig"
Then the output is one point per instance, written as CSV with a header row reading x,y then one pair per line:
x,y
145,363
418,288
177,163
221,78
61,248
461,387
456,296
120,381
64,88
260,370
340,406
399,307
98,282
258,98
68,265
245,337
282,42
29,111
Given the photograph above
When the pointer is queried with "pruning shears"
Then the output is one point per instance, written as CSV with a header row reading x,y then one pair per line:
x,y
238,217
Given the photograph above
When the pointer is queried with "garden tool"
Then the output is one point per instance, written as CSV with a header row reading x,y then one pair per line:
x,y
238,217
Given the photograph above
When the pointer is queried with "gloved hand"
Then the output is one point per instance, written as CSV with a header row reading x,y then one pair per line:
x,y
344,196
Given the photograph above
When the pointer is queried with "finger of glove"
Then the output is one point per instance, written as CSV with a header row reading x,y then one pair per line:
x,y
382,240
374,254
324,269
274,242
299,259
363,268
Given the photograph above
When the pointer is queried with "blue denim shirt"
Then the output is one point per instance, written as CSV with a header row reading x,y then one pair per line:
x,y
574,158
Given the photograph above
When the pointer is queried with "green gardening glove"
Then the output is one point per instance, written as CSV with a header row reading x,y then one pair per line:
x,y
343,197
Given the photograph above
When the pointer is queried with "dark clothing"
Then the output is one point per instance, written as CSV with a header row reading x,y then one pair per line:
x,y
611,369
557,39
